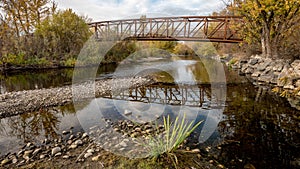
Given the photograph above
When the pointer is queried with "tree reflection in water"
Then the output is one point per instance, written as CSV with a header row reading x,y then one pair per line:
x,y
29,126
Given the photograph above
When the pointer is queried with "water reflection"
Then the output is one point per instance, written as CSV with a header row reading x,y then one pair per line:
x,y
34,127
29,80
259,130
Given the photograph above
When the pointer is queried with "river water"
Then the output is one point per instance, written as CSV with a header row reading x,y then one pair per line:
x,y
256,126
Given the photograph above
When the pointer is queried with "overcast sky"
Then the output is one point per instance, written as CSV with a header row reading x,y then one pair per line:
x,y
100,10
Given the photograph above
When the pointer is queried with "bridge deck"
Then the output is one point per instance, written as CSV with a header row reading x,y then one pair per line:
x,y
185,28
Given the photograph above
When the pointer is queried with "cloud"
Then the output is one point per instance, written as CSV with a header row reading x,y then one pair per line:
x,y
120,9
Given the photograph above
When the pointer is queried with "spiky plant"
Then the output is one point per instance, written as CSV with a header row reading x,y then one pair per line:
x,y
173,136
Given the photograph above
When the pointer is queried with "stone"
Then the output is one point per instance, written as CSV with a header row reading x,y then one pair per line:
x,y
265,78
28,144
96,158
138,129
220,166
249,166
71,137
57,154
244,67
78,142
262,66
65,132
69,142
20,153
296,64
123,144
292,87
256,74
66,157
42,156
297,84
5,161
90,151
37,151
148,131
55,150
253,61
73,146
27,153
127,113
196,150
87,155
268,70
249,70
14,161
84,135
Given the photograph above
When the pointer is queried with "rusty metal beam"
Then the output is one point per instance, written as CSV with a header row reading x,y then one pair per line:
x,y
185,28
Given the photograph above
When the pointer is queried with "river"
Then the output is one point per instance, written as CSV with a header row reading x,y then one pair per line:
x,y
256,126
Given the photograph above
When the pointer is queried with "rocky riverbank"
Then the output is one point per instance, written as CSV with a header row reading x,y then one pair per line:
x,y
15,103
283,76
79,150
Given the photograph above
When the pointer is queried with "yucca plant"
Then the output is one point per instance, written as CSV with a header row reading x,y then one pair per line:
x,y
173,136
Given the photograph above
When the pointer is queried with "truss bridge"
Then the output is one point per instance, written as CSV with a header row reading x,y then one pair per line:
x,y
184,28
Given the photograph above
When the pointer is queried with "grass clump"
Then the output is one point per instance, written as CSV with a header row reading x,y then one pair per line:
x,y
173,136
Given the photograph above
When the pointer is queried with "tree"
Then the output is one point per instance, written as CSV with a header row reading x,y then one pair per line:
x,y
24,15
63,35
271,21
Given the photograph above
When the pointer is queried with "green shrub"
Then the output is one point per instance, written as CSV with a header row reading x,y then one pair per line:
x,y
173,137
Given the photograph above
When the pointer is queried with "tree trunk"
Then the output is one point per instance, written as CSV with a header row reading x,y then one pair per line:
x,y
268,42
263,43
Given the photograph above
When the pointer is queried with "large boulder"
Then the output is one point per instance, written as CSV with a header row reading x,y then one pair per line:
x,y
262,66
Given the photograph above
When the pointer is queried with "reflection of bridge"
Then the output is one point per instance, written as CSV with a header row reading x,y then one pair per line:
x,y
188,95
187,28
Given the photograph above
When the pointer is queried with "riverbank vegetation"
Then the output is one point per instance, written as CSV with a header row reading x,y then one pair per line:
x,y
271,27
36,34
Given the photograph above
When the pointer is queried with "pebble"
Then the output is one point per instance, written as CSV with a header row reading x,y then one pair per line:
x,y
5,161
57,154
28,144
73,146
14,161
78,142
42,156
96,158
220,166
55,150
86,155
66,157
71,137
123,144
27,153
127,113
69,141
36,151
196,150
84,135
20,153
90,151
65,132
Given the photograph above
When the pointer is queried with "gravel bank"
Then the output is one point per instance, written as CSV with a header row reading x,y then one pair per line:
x,y
15,103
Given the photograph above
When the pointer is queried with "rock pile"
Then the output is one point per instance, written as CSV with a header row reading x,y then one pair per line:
x,y
276,72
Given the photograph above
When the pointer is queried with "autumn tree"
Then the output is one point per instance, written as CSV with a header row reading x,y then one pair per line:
x,y
63,35
24,15
269,21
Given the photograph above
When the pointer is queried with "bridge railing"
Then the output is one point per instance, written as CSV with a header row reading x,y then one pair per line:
x,y
186,28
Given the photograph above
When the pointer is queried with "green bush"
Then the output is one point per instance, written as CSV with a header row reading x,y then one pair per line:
x,y
172,138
